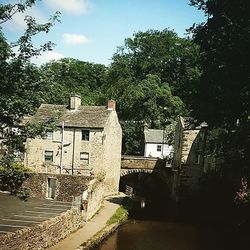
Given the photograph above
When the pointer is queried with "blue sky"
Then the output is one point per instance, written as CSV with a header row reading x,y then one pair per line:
x,y
91,30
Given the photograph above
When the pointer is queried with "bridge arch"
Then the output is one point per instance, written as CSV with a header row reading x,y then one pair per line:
x,y
146,176
135,170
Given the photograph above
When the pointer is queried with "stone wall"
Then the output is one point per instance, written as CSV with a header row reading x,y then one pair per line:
x,y
112,154
45,234
96,192
133,162
67,186
49,232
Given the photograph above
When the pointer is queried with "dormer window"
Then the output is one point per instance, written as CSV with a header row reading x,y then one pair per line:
x,y
85,135
49,135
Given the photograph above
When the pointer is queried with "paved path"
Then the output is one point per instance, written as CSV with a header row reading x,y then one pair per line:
x,y
90,229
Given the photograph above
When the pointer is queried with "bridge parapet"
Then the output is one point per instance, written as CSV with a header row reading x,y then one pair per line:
x,y
141,162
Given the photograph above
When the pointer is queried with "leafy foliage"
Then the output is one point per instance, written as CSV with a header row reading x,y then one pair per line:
x,y
151,78
66,76
12,177
223,92
20,91
19,85
173,59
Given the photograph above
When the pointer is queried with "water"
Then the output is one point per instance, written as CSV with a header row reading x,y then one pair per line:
x,y
160,235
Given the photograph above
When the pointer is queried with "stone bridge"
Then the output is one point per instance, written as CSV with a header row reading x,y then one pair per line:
x,y
140,164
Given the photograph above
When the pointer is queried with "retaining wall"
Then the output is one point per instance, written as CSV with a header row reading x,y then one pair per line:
x,y
45,234
67,186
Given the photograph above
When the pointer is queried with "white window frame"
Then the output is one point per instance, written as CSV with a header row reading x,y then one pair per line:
x,y
84,157
48,151
50,135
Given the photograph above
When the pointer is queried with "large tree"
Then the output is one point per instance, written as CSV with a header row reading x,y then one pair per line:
x,y
69,75
173,59
19,85
222,96
223,93
20,89
151,77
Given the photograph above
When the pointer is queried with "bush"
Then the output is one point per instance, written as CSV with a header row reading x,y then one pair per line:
x,y
12,177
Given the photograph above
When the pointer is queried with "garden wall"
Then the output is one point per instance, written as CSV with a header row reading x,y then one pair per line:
x,y
67,186
45,234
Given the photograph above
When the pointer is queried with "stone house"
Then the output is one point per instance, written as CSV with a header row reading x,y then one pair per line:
x,y
85,141
190,155
156,144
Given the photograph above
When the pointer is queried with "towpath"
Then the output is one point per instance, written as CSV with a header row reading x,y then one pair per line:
x,y
97,223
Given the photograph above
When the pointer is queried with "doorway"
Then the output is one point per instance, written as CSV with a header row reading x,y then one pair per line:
x,y
51,188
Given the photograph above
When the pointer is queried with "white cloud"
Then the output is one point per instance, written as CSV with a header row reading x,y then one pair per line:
x,y
74,7
75,39
17,22
46,57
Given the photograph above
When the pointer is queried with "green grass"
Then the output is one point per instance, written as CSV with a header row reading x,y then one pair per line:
x,y
120,214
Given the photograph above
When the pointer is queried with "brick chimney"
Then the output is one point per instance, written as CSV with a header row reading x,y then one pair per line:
x,y
75,102
111,105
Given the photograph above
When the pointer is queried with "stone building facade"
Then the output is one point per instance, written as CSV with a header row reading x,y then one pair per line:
x,y
189,153
85,141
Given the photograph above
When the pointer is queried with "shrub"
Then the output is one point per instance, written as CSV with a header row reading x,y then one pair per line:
x,y
12,177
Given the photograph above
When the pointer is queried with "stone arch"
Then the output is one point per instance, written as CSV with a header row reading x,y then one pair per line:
x,y
138,170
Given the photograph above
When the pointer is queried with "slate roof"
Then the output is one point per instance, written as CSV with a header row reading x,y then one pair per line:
x,y
189,123
84,116
154,136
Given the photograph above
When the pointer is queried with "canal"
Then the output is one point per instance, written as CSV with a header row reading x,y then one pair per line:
x,y
157,235
151,231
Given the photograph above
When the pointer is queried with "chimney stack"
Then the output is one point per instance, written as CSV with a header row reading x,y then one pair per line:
x,y
111,105
75,102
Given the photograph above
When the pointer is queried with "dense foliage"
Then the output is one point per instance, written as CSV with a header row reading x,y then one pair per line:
x,y
224,45
19,85
223,90
222,98
151,77
20,90
63,77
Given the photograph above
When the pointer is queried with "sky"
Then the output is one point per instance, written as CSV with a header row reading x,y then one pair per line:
x,y
91,30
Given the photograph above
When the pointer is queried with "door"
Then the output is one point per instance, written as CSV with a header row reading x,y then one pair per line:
x,y
51,188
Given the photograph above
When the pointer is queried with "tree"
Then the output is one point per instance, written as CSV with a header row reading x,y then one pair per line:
x,y
144,101
173,59
151,78
67,76
19,85
223,91
222,96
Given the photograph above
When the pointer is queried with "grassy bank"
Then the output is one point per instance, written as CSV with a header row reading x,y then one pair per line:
x,y
118,218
